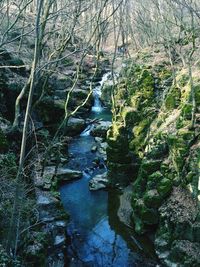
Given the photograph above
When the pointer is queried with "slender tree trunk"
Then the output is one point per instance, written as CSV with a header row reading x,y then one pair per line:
x,y
12,241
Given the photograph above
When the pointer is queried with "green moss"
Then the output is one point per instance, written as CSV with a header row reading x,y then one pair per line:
x,y
59,104
164,187
152,199
139,225
183,80
130,116
148,215
158,151
186,111
172,100
141,127
150,166
118,155
154,179
117,137
165,74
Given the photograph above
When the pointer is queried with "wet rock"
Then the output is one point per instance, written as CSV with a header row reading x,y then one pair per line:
x,y
62,174
125,209
102,148
59,240
94,149
98,139
45,199
75,126
61,224
98,182
96,161
100,130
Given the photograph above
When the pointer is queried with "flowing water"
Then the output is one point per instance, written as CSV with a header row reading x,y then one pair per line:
x,y
98,238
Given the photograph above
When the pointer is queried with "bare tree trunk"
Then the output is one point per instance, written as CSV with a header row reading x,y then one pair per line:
x,y
12,241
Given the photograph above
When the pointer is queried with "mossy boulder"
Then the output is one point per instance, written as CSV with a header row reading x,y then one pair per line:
x,y
154,179
130,116
172,100
164,187
150,166
138,224
117,137
158,151
152,199
148,215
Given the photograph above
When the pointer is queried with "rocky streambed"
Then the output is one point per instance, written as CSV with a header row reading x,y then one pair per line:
x,y
97,236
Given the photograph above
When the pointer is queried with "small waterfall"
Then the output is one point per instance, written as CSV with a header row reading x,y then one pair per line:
x,y
87,130
98,106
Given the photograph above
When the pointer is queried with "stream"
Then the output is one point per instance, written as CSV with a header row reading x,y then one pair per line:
x,y
97,236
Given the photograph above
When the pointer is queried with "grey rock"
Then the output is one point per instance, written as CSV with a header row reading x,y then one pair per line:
x,y
59,240
98,182
94,149
100,130
62,174
75,126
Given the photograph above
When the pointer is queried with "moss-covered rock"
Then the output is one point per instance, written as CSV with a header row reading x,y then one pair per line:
x,y
164,187
152,199
153,121
173,98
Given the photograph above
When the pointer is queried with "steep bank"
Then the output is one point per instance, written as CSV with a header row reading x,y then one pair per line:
x,y
153,144
42,226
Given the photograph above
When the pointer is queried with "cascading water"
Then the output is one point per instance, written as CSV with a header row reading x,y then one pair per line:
x,y
98,106
98,237
87,130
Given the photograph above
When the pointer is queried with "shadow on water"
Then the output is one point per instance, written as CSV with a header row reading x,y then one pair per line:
x,y
98,238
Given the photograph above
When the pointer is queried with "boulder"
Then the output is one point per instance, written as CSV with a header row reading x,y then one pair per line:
x,y
100,130
152,199
75,126
45,199
62,174
164,187
59,240
98,182
125,210
102,148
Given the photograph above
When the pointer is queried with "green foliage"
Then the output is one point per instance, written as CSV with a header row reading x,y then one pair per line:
x,y
173,98
183,80
8,164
